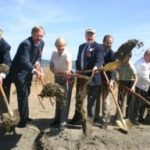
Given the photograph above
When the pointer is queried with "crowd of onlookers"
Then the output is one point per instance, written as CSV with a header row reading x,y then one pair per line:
x,y
91,56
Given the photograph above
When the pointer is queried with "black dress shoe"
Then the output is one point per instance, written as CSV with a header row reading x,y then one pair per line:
x,y
55,123
21,125
30,120
141,120
62,127
136,123
104,125
97,120
75,121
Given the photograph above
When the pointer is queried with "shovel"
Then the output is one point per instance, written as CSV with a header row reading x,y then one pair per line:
x,y
124,124
112,66
43,84
11,118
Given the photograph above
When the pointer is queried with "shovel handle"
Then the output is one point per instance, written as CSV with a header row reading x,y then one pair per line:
x,y
136,94
6,101
114,98
42,81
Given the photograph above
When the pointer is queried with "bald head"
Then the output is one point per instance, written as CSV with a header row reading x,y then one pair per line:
x,y
107,41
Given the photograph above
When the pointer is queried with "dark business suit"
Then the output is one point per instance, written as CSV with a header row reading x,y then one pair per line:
x,y
5,52
6,59
93,57
21,73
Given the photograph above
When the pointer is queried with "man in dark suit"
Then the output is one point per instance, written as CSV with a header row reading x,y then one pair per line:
x,y
90,57
4,59
26,63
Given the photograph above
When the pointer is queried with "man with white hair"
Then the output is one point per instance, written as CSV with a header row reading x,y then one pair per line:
x,y
143,72
90,57
4,59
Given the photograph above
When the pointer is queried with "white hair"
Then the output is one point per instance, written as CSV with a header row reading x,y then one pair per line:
x,y
59,41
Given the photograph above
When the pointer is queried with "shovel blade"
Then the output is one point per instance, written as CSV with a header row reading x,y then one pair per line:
x,y
112,66
125,124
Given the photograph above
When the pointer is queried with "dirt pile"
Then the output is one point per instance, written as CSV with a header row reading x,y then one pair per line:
x,y
39,135
100,139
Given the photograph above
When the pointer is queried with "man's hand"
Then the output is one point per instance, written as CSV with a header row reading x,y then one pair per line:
x,y
37,65
39,73
95,69
111,84
68,74
133,89
38,70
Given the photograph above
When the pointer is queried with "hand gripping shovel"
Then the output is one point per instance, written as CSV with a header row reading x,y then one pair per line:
x,y
11,118
124,124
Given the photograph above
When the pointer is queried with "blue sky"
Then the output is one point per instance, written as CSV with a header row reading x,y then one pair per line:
x,y
124,20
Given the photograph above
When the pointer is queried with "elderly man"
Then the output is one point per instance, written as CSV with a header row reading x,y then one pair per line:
x,y
26,63
143,72
4,59
90,57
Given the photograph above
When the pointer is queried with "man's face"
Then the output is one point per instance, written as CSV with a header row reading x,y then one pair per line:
x,y
108,43
90,37
37,36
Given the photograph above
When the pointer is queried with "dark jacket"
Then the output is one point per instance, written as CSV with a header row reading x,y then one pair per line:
x,y
24,60
96,58
109,57
5,52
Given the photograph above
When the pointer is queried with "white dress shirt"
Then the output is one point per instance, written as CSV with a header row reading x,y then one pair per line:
x,y
143,72
61,61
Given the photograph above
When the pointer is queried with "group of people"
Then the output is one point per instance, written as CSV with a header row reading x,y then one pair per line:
x,y
91,56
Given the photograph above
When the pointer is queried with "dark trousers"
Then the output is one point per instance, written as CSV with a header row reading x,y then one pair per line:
x,y
98,104
140,106
62,112
126,99
23,91
93,96
65,109
81,92
92,92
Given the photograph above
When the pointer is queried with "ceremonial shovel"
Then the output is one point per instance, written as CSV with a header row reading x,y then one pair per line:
x,y
124,124
11,118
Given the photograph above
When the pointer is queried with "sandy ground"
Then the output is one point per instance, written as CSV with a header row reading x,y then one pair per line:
x,y
39,135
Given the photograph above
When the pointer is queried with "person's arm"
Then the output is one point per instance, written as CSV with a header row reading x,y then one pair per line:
x,y
99,57
52,67
134,83
25,57
69,65
78,61
5,48
111,59
6,53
